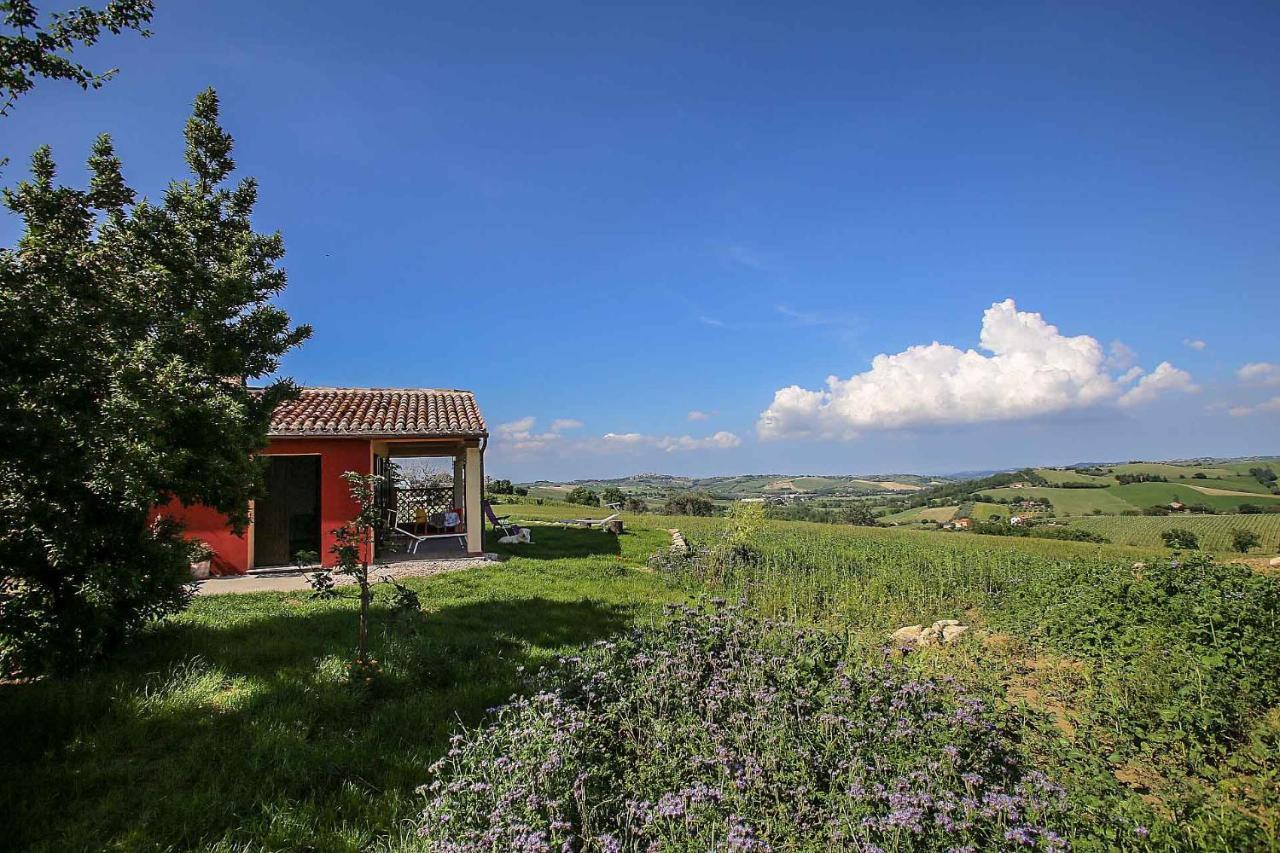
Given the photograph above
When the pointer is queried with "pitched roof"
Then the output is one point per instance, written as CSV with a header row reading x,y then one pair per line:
x,y
408,412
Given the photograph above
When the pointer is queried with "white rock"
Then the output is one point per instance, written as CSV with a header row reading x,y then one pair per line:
x,y
909,634
930,637
950,632
1275,562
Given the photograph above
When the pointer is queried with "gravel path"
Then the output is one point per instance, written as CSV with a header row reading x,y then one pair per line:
x,y
294,581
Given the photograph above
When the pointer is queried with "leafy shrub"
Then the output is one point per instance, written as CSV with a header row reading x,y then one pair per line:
x,y
717,730
635,504
583,496
690,503
612,495
501,487
1186,647
1181,539
1242,540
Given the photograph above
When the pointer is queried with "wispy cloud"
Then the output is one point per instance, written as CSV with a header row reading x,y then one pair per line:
x,y
671,444
797,318
1259,373
1194,343
519,434
522,436
1272,405
750,257
699,415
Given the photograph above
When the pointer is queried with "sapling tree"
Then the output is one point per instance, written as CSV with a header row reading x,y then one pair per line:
x,y
352,550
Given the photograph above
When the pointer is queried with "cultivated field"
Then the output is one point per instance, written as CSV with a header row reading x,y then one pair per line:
x,y
1116,499
1214,531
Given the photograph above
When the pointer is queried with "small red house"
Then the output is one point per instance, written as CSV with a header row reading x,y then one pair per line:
x,y
325,432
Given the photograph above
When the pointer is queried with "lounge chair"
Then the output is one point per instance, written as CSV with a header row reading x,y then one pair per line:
x,y
389,521
499,522
591,522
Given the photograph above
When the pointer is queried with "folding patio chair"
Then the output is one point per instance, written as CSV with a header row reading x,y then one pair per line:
x,y
499,522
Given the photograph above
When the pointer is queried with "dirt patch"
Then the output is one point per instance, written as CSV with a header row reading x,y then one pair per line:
x,y
1050,685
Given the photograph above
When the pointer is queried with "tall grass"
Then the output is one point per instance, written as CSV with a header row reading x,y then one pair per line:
x,y
876,578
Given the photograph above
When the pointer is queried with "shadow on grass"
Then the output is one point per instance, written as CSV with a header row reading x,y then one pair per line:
x,y
245,732
554,543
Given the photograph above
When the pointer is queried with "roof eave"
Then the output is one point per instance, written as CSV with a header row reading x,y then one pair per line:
x,y
329,433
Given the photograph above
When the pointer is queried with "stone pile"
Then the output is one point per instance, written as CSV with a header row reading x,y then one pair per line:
x,y
939,633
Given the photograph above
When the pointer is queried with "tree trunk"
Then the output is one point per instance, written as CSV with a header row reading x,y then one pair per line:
x,y
362,647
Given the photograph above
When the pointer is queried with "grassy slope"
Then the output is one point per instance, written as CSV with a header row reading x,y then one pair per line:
x,y
1055,477
231,726
1068,501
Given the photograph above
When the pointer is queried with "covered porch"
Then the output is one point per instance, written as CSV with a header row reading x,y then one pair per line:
x,y
430,521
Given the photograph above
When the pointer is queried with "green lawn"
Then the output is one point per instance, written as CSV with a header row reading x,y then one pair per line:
x,y
231,727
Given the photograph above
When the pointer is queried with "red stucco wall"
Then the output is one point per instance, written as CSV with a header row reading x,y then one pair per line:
x,y
337,456
230,552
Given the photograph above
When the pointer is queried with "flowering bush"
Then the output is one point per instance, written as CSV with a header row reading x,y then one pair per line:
x,y
718,730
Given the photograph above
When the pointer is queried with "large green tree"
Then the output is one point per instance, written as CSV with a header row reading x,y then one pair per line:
x,y
127,330
31,49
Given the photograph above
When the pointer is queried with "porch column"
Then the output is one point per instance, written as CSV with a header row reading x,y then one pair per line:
x,y
475,517
458,476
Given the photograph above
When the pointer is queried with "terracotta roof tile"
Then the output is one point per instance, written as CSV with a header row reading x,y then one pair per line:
x,y
379,411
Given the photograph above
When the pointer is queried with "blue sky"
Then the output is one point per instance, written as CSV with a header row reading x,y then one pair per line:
x,y
660,210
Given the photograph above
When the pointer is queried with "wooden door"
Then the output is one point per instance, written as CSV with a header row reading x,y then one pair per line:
x,y
287,518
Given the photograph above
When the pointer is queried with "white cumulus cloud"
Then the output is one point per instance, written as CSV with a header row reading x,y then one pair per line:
x,y
1163,379
1259,373
1032,369
720,440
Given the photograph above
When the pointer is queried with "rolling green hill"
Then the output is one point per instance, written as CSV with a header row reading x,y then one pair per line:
x,y
1223,485
658,486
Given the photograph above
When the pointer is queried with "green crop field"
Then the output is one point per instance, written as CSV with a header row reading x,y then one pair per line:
x,y
1068,501
921,513
1141,495
984,511
1214,531
1056,476
1116,499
